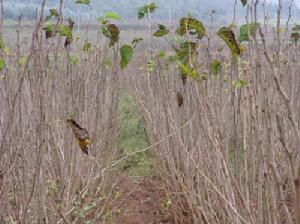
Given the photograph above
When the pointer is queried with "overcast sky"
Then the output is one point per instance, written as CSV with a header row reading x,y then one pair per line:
x,y
296,1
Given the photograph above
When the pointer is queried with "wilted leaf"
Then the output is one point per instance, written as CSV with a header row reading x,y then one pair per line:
x,y
227,35
68,41
295,37
179,99
296,28
244,2
114,33
215,67
126,53
191,25
136,41
162,30
144,10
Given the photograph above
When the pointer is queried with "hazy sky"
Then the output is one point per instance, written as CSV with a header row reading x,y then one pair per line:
x,y
296,1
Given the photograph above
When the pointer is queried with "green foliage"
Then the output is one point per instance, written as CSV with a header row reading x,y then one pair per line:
x,y
244,2
162,31
52,187
215,67
74,59
23,60
150,66
246,30
65,31
126,53
82,212
2,64
107,17
185,57
227,35
147,8
188,71
191,25
53,13
87,47
132,136
112,15
84,2
2,43
110,30
161,54
239,83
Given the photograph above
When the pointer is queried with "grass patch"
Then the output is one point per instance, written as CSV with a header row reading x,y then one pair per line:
x,y
132,136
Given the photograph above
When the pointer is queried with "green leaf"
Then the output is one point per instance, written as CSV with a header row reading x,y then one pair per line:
x,y
126,52
2,64
87,47
191,25
65,31
112,15
74,59
227,35
53,13
239,83
150,66
191,72
244,2
162,31
50,30
246,30
161,54
23,60
215,67
147,8
84,2
2,43
187,52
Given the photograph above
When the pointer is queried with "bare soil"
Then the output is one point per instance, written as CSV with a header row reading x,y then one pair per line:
x,y
142,202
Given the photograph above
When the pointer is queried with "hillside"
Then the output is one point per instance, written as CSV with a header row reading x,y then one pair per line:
x,y
128,8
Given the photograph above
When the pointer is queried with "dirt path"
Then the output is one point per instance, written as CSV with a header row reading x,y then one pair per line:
x,y
142,202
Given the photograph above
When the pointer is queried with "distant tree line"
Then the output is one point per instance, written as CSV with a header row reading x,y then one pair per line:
x,y
127,9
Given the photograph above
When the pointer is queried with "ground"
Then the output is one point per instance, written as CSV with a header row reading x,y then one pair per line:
x,y
141,202
139,197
